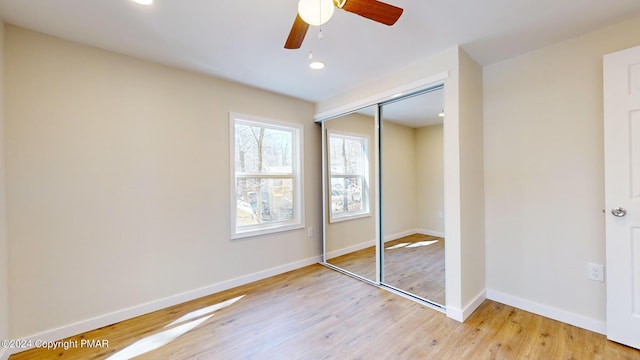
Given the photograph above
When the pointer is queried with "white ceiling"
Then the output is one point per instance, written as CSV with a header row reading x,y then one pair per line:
x,y
414,111
243,40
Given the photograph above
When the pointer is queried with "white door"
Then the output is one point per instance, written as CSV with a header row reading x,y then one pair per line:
x,y
622,194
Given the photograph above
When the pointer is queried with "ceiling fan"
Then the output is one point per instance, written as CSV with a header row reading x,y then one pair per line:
x,y
317,12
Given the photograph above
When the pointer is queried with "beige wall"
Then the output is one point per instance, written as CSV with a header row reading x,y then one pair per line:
x,y
544,174
413,180
429,179
118,182
398,180
4,258
345,236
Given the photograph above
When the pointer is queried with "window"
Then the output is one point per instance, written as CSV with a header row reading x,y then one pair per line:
x,y
348,176
266,170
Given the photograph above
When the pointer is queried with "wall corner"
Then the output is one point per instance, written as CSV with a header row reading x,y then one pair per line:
x,y
471,180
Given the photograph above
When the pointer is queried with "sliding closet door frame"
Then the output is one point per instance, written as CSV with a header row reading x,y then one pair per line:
x,y
377,195
412,89
379,166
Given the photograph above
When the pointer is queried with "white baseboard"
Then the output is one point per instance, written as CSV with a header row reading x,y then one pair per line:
x,y
350,249
134,311
463,314
402,234
430,232
399,235
564,316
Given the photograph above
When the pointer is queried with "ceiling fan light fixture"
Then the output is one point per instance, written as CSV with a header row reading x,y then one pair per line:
x,y
316,12
316,65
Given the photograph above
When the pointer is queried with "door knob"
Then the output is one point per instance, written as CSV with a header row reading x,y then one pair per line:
x,y
619,212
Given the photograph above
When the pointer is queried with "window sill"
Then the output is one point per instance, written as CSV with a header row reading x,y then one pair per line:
x,y
335,219
266,231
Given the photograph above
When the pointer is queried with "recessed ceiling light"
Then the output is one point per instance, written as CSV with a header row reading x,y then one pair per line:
x,y
144,2
316,65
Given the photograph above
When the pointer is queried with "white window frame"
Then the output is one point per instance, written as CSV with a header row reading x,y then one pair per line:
x,y
297,157
365,178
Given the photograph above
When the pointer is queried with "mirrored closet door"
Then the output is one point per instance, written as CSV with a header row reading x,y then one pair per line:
x,y
350,225
383,170
412,195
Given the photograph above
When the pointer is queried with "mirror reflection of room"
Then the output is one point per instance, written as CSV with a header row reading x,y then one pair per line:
x,y
350,235
413,195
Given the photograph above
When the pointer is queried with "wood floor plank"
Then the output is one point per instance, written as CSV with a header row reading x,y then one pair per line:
x,y
317,313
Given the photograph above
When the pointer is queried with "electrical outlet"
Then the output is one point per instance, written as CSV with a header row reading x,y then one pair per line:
x,y
309,232
596,272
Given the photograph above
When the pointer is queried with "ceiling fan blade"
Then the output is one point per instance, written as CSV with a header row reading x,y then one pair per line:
x,y
375,10
296,36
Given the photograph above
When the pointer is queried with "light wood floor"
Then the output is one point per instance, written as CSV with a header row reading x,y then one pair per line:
x,y
361,262
418,270
318,313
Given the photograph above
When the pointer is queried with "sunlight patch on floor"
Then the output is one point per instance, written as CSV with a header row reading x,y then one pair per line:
x,y
422,243
397,246
155,341
204,311
412,245
158,340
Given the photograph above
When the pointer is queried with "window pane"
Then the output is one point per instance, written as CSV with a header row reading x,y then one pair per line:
x,y
338,158
347,195
348,173
263,149
347,154
263,201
